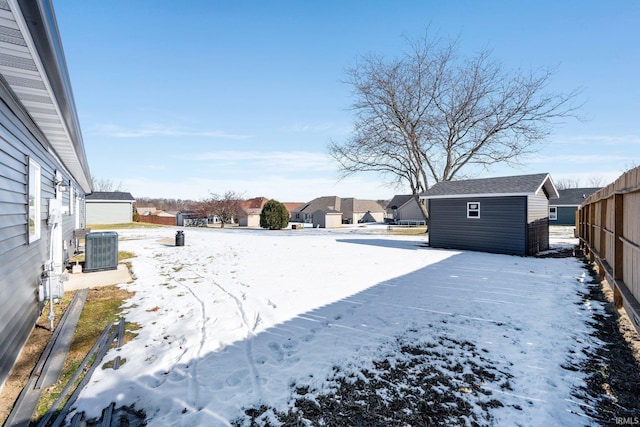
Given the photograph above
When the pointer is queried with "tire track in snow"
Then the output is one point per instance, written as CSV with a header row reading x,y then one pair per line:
x,y
193,385
250,324
251,327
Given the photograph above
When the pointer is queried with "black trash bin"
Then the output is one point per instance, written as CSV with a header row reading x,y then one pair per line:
x,y
179,238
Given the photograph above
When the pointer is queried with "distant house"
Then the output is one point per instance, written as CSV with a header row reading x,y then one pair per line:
x,y
403,208
182,215
146,210
251,210
44,173
357,210
188,218
508,215
109,207
562,211
333,211
292,206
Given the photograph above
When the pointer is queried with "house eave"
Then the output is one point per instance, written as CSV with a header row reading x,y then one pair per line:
x,y
33,66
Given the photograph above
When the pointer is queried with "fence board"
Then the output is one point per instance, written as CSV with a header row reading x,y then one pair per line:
x,y
609,231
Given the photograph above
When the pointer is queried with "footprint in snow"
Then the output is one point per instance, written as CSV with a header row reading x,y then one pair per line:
x,y
277,350
235,378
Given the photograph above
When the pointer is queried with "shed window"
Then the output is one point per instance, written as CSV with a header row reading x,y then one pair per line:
x,y
553,213
473,209
34,201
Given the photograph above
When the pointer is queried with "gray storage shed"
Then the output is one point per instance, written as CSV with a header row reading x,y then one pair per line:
x,y
109,207
508,215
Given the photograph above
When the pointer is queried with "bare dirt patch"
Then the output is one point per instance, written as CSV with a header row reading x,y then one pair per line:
x,y
102,304
29,356
419,383
613,369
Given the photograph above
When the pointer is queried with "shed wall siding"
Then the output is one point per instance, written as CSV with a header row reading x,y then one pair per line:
x,y
22,262
538,224
109,212
538,207
501,227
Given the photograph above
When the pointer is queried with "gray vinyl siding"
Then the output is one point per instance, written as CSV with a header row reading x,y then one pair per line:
x,y
566,215
501,227
22,262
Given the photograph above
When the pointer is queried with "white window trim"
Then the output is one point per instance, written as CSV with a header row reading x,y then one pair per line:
x,y
469,210
553,213
34,211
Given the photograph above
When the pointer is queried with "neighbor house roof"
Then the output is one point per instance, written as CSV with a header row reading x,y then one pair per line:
x,y
151,211
519,185
255,203
324,203
359,205
292,206
254,206
399,200
146,210
334,204
111,196
573,196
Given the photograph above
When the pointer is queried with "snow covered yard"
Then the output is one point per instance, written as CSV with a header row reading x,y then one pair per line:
x,y
242,326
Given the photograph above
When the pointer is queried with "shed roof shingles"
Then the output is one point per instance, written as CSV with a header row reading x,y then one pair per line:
x,y
520,184
119,196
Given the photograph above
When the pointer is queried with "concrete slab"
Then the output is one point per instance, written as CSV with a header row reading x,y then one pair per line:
x,y
98,278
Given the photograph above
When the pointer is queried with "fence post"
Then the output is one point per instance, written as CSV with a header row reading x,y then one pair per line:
x,y
618,258
602,250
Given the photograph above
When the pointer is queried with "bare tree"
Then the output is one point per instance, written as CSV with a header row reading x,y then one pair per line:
x,y
567,183
428,115
106,185
226,207
597,181
574,182
168,205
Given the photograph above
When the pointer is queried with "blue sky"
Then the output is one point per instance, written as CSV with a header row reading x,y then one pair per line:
x,y
184,99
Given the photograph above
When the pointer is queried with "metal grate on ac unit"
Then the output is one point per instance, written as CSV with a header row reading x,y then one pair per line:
x,y
101,251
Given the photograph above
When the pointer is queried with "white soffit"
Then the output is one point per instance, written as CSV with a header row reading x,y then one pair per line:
x,y
22,69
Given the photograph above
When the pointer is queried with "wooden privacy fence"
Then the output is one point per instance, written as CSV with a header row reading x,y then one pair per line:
x,y
156,219
608,225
